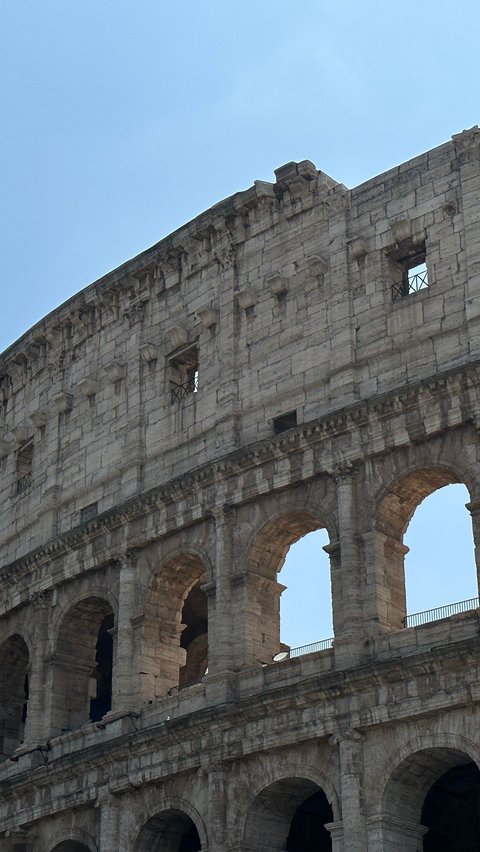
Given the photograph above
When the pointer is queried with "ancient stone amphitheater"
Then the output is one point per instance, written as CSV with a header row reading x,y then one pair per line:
x,y
301,356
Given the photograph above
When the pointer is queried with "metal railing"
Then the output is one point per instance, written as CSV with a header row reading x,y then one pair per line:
x,y
24,483
417,281
181,391
323,645
428,615
412,283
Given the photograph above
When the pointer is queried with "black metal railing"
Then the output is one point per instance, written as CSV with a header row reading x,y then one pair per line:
x,y
412,283
179,392
24,483
418,281
302,650
428,615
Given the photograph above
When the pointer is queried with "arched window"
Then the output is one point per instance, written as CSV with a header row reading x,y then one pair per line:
x,y
83,665
14,662
174,640
194,636
169,831
306,602
292,814
440,565
416,512
451,811
287,563
432,798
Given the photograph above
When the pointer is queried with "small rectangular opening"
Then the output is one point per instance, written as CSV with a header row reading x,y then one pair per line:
x,y
88,512
24,466
183,373
284,422
410,273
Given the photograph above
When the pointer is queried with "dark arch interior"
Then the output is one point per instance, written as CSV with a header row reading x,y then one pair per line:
x,y
170,831
102,672
307,829
451,811
14,662
194,637
71,846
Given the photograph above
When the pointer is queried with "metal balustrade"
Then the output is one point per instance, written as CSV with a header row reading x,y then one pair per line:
x,y
179,392
428,615
302,650
24,483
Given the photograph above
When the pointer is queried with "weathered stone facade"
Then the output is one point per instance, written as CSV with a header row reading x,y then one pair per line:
x,y
271,368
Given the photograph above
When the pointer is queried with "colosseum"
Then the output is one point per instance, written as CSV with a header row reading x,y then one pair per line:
x,y
300,357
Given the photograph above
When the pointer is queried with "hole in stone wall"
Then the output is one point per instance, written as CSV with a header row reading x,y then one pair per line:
x,y
284,422
183,373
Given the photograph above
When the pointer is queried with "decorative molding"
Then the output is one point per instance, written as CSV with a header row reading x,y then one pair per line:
x,y
115,371
246,298
88,386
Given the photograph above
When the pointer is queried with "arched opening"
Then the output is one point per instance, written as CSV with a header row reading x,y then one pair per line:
x,y
440,565
71,846
451,811
14,663
194,636
169,831
406,498
82,689
101,702
306,602
288,548
174,646
432,801
290,815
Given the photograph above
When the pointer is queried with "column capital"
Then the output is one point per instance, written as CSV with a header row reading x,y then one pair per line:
x,y
344,472
127,558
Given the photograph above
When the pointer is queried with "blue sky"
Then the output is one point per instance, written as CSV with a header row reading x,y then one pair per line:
x,y
123,119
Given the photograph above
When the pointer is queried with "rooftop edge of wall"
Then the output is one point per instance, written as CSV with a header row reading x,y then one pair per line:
x,y
231,206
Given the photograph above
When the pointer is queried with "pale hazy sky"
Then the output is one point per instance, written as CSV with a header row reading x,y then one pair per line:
x,y
123,119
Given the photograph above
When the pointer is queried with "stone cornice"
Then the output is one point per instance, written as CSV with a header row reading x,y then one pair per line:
x,y
208,239
353,418
170,738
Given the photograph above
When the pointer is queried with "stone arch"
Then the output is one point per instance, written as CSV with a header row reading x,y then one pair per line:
x,y
71,599
14,674
173,825
77,841
417,767
294,769
82,664
274,818
72,846
268,547
174,629
395,506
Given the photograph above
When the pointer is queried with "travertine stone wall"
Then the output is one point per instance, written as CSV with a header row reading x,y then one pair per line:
x,y
162,511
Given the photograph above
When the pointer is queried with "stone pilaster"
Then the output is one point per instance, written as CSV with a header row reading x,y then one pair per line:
x,y
217,809
220,640
36,722
109,823
350,581
124,683
351,774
